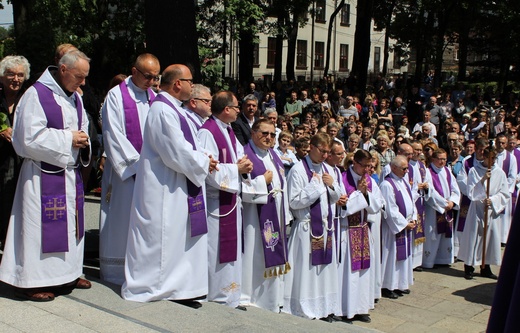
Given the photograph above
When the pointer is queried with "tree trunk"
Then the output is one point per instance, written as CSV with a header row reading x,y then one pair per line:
x,y
362,44
329,36
386,55
245,58
171,33
277,77
291,48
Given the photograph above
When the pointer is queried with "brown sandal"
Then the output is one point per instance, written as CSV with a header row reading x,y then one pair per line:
x,y
35,295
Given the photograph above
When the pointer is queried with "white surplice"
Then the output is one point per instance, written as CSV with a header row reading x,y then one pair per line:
x,y
225,279
23,263
471,239
266,293
511,174
357,288
118,179
396,274
311,291
163,261
438,249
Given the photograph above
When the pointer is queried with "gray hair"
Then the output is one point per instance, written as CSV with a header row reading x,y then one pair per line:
x,y
250,97
399,160
14,61
198,89
268,111
70,58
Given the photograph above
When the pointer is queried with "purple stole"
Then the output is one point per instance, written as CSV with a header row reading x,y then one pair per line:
x,y
132,125
514,195
418,232
53,184
228,238
273,235
196,207
320,255
402,239
444,221
193,120
465,202
357,229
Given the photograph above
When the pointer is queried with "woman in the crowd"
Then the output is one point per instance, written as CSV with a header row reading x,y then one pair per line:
x,y
14,71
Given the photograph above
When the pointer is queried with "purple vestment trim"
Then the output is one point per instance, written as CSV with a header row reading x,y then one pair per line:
x,y
359,242
444,221
320,254
132,124
196,206
53,185
228,231
271,230
402,239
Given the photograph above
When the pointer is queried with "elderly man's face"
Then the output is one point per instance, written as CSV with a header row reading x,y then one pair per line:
x,y
264,137
146,73
249,108
72,78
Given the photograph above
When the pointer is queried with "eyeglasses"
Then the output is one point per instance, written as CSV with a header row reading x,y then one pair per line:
x,y
190,81
234,107
264,134
363,165
149,77
404,169
203,100
323,152
427,149
11,76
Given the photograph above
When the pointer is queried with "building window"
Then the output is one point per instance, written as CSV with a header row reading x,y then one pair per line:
x,y
343,57
377,59
319,55
301,54
256,55
271,52
345,15
320,8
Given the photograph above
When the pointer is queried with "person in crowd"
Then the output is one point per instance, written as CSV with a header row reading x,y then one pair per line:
x,y
124,114
445,197
284,151
383,150
246,119
507,162
198,106
158,246
266,213
223,200
312,243
359,246
492,201
293,108
302,147
396,230
419,125
43,254
14,71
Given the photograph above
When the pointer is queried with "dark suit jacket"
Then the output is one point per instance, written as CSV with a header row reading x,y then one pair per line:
x,y
242,129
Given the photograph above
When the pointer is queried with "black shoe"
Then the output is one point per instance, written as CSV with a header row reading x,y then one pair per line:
x,y
346,320
486,272
398,292
402,292
188,302
389,294
468,272
363,318
241,307
331,318
418,269
376,300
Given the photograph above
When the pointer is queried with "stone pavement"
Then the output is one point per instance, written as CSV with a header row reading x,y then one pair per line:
x,y
441,301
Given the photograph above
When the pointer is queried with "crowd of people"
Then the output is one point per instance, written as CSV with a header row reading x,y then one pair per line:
x,y
317,207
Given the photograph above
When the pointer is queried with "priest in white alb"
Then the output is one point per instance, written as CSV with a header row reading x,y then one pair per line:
x,y
166,257
266,215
